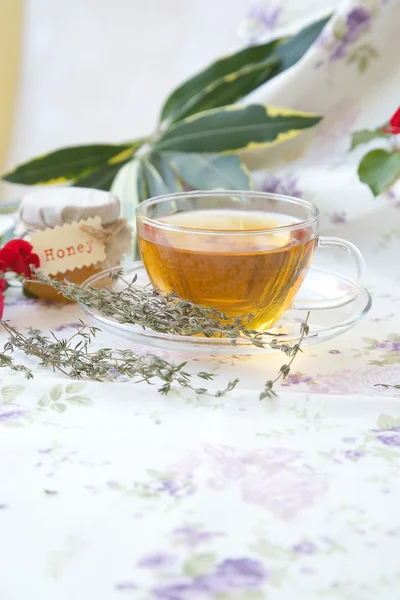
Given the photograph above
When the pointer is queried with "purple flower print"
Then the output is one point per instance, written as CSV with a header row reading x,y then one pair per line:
x,y
389,437
157,560
357,21
3,506
271,184
240,573
178,488
308,571
334,352
194,590
191,536
354,454
19,301
305,548
11,415
281,185
349,381
297,379
285,494
266,16
387,346
339,218
230,465
125,586
393,197
229,576
261,20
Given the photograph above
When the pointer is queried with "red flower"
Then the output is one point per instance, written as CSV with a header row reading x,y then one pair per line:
x,y
17,256
2,286
394,124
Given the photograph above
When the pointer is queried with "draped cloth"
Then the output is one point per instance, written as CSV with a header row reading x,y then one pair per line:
x,y
351,76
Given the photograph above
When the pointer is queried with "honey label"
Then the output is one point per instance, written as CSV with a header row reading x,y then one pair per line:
x,y
69,247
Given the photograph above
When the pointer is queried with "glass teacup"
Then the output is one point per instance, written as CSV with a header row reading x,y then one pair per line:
x,y
242,253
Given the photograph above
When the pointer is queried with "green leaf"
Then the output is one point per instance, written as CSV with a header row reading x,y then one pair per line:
x,y
80,400
69,164
162,163
154,183
379,169
75,388
235,128
102,178
366,135
55,392
199,564
291,51
9,393
141,183
59,407
180,99
231,88
129,186
233,77
209,171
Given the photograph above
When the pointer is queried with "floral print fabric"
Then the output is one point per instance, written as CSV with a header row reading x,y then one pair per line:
x,y
112,491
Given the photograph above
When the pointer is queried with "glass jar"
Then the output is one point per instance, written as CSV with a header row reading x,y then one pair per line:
x,y
52,207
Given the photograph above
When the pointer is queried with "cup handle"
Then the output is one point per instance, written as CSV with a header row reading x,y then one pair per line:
x,y
348,296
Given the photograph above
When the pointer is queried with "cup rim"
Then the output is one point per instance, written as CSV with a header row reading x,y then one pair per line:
x,y
205,193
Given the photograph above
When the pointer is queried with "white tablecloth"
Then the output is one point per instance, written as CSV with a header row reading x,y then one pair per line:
x,y
111,490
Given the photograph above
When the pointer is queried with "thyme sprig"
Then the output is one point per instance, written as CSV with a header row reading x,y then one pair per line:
x,y
74,357
163,313
291,351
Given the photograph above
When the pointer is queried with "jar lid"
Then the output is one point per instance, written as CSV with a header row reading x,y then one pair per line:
x,y
57,206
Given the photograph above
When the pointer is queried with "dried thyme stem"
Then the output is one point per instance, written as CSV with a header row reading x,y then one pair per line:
x,y
292,351
388,386
165,314
72,357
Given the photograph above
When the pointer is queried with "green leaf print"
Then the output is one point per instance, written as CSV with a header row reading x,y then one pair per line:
x,y
387,422
44,401
56,392
80,400
75,388
9,393
59,407
199,564
248,595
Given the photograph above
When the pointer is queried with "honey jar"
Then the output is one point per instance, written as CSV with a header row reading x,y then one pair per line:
x,y
51,209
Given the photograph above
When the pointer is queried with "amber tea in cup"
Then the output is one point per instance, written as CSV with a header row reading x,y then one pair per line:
x,y
239,252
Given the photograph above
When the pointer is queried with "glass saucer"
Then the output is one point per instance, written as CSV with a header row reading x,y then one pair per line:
x,y
325,324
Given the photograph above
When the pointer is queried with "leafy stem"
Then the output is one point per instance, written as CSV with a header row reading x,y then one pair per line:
x,y
388,386
166,314
72,357
292,351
